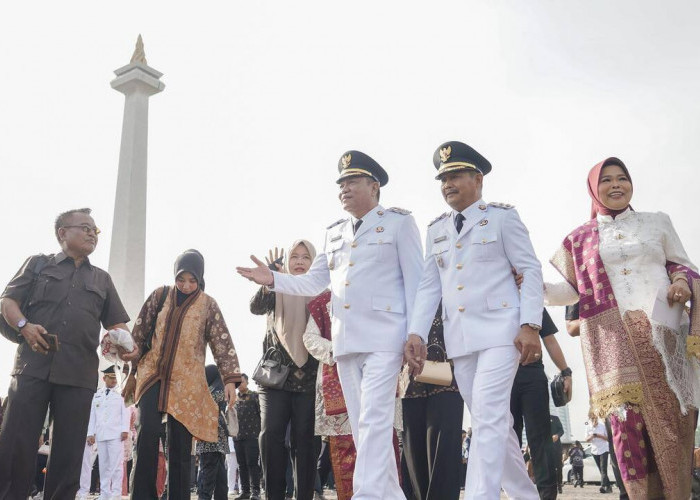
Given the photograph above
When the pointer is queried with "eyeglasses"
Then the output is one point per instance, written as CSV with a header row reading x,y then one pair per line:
x,y
87,229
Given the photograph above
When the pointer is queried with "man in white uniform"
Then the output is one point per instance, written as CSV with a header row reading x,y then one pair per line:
x,y
372,261
488,325
109,426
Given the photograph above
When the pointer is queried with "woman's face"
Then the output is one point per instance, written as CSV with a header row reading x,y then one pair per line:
x,y
186,283
299,260
614,188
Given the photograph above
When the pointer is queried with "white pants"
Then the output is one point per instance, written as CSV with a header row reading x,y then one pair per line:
x,y
89,456
232,468
485,380
111,454
369,383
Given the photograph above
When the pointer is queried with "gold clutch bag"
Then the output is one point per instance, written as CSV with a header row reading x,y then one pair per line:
x,y
436,372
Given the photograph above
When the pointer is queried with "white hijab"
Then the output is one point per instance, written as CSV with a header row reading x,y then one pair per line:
x,y
292,315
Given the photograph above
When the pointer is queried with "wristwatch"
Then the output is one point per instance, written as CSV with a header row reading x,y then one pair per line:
x,y
566,372
534,326
21,324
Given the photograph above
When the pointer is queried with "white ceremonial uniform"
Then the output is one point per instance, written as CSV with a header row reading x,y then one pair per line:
x,y
482,314
232,468
373,276
108,419
89,456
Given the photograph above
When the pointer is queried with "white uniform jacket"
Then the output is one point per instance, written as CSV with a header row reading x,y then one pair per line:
x,y
471,272
373,277
108,415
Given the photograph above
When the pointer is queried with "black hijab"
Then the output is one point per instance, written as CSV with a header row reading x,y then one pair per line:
x,y
213,378
191,261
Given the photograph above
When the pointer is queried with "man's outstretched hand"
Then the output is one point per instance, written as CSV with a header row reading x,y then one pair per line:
x,y
260,274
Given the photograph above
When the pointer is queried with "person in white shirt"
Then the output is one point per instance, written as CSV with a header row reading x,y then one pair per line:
x,y
108,427
597,435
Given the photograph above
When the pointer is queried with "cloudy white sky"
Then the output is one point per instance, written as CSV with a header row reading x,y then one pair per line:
x,y
263,97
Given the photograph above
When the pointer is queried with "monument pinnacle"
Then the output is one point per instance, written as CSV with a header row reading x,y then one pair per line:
x,y
139,55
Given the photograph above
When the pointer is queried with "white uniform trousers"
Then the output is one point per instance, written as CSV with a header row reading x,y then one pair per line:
x,y
111,457
232,468
86,471
485,380
369,383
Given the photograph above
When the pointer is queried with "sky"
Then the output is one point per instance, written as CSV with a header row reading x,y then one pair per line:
x,y
262,98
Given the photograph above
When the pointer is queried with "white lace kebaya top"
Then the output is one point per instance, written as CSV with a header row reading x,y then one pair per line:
x,y
634,248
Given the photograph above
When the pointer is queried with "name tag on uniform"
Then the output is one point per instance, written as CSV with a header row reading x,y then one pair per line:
x,y
439,239
336,238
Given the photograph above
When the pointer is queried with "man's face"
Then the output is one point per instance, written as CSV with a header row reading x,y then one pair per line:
x,y
79,235
358,195
110,380
460,189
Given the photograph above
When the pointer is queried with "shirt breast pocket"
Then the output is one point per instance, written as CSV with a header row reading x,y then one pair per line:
x,y
380,247
93,298
484,245
47,287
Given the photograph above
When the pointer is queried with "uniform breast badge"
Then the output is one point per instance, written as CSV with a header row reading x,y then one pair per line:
x,y
484,222
440,262
379,229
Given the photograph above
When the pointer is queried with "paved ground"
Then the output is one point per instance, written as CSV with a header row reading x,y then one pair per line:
x,y
589,492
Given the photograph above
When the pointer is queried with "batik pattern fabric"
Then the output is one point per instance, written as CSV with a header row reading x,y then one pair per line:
x,y
177,358
221,444
331,413
635,366
343,455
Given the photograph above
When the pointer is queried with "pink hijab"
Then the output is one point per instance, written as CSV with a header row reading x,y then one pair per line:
x,y
597,206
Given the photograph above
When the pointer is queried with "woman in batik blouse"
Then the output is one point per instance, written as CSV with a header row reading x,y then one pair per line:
x,y
171,380
620,266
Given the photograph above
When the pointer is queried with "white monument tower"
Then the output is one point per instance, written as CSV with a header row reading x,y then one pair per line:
x,y
127,257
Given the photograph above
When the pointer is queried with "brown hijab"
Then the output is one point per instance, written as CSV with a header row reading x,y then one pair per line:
x,y
292,315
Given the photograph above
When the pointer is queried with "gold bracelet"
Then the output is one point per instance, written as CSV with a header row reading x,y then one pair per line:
x,y
680,277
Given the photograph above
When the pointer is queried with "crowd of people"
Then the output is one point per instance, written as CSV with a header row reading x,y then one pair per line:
x,y
372,347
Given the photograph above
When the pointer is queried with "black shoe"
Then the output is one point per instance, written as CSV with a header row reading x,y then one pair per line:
x,y
255,496
559,489
243,496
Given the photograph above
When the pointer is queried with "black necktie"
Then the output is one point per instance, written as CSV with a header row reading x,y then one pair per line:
x,y
356,226
107,392
459,221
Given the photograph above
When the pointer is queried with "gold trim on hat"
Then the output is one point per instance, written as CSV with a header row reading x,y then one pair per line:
x,y
345,161
355,171
445,154
456,165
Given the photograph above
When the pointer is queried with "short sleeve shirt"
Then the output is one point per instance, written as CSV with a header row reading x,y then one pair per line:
x,y
71,303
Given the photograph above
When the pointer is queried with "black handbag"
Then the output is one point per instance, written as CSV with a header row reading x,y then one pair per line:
x,y
559,397
8,331
271,373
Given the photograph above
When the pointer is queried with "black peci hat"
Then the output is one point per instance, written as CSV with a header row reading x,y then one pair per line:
x,y
358,164
454,155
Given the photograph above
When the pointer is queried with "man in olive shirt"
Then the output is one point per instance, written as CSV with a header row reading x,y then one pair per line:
x,y
70,298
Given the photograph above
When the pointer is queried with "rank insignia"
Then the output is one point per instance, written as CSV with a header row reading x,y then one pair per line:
x,y
482,207
379,229
484,222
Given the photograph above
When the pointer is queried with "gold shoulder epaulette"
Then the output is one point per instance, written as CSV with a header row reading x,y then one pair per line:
x,y
440,217
397,210
501,205
336,223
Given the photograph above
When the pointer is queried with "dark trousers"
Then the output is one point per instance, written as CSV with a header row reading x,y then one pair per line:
x,y
212,477
323,467
433,444
578,475
556,460
613,462
602,462
29,399
280,408
179,449
529,402
247,454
